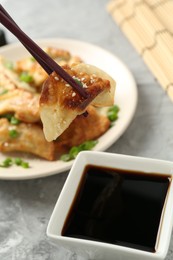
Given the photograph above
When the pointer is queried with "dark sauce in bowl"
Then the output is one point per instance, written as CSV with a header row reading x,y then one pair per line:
x,y
118,207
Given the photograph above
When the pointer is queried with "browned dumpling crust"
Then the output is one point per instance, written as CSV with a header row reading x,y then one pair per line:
x,y
56,90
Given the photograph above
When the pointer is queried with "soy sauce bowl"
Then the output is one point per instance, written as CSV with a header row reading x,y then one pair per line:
x,y
115,207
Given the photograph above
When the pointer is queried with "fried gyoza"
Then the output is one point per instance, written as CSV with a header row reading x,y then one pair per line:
x,y
60,103
17,97
10,80
24,105
30,139
31,66
82,129
62,57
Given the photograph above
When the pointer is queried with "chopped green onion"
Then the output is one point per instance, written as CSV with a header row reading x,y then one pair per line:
x,y
4,91
88,145
32,59
24,76
66,157
25,165
112,113
78,82
9,65
16,161
14,120
13,133
74,151
6,163
112,116
20,162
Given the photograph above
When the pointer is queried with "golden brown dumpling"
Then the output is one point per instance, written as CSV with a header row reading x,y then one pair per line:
x,y
60,103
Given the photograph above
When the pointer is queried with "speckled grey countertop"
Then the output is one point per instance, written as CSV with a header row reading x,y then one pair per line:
x,y
26,206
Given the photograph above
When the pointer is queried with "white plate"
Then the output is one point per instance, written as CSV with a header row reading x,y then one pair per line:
x,y
125,98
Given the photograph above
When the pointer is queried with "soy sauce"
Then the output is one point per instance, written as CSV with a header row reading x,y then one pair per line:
x,y
118,207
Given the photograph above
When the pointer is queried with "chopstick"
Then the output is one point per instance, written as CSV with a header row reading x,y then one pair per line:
x,y
47,63
42,63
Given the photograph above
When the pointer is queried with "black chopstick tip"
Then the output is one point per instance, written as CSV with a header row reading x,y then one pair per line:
x,y
3,40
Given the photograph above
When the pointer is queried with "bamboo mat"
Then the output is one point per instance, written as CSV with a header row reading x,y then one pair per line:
x,y
148,24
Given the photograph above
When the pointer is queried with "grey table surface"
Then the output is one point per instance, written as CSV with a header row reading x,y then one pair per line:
x,y
26,206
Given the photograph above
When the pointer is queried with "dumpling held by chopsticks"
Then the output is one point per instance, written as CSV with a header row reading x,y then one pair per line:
x,y
60,103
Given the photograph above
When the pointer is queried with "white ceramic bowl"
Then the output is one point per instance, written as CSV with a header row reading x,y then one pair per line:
x,y
98,250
